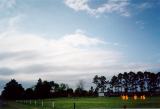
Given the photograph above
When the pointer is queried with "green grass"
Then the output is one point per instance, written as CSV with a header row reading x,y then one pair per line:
x,y
90,103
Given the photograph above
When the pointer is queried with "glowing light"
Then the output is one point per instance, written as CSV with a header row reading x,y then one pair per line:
x,y
142,97
124,97
135,97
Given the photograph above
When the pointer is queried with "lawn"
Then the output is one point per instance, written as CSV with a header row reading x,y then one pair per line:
x,y
88,103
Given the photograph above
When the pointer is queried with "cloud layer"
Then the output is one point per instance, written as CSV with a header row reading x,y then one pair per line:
x,y
71,53
121,7
69,58
111,6
28,56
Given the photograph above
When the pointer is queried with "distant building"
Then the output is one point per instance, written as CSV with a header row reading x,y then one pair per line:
x,y
101,94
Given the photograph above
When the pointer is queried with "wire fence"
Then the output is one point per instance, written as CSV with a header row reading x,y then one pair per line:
x,y
53,104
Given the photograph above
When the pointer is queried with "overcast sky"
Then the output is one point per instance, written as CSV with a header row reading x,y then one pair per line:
x,y
72,40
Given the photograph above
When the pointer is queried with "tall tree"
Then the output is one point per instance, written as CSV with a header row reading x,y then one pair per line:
x,y
29,93
38,88
158,80
120,78
114,83
147,80
13,90
126,82
70,92
42,89
100,83
152,82
141,81
131,81
135,82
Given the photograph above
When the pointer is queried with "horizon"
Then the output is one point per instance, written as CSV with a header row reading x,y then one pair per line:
x,y
71,40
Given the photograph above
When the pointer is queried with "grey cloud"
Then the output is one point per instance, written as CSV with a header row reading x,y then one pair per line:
x,y
23,55
39,68
82,69
6,55
6,71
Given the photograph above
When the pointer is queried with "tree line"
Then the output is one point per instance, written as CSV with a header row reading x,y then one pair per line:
x,y
42,89
129,83
123,83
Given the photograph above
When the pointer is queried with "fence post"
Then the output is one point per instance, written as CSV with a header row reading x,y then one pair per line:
x,y
42,103
35,102
74,105
53,104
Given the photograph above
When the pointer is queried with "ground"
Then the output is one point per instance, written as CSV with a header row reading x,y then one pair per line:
x,y
86,103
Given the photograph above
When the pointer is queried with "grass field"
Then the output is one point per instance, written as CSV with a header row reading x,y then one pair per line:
x,y
89,103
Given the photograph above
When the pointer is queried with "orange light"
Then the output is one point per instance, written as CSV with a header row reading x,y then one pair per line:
x,y
126,97
123,97
143,97
135,97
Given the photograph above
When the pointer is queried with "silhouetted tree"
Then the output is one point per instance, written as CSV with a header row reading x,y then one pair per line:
x,y
70,92
62,91
43,89
114,82
120,78
13,90
63,87
147,80
152,82
46,89
100,83
141,81
29,93
38,89
135,82
131,83
158,80
126,82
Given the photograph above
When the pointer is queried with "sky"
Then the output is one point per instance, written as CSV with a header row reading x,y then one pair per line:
x,y
72,40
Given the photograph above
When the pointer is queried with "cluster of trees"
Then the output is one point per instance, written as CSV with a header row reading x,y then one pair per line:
x,y
43,89
140,82
126,83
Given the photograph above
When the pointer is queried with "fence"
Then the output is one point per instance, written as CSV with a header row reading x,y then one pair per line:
x,y
91,103
47,104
